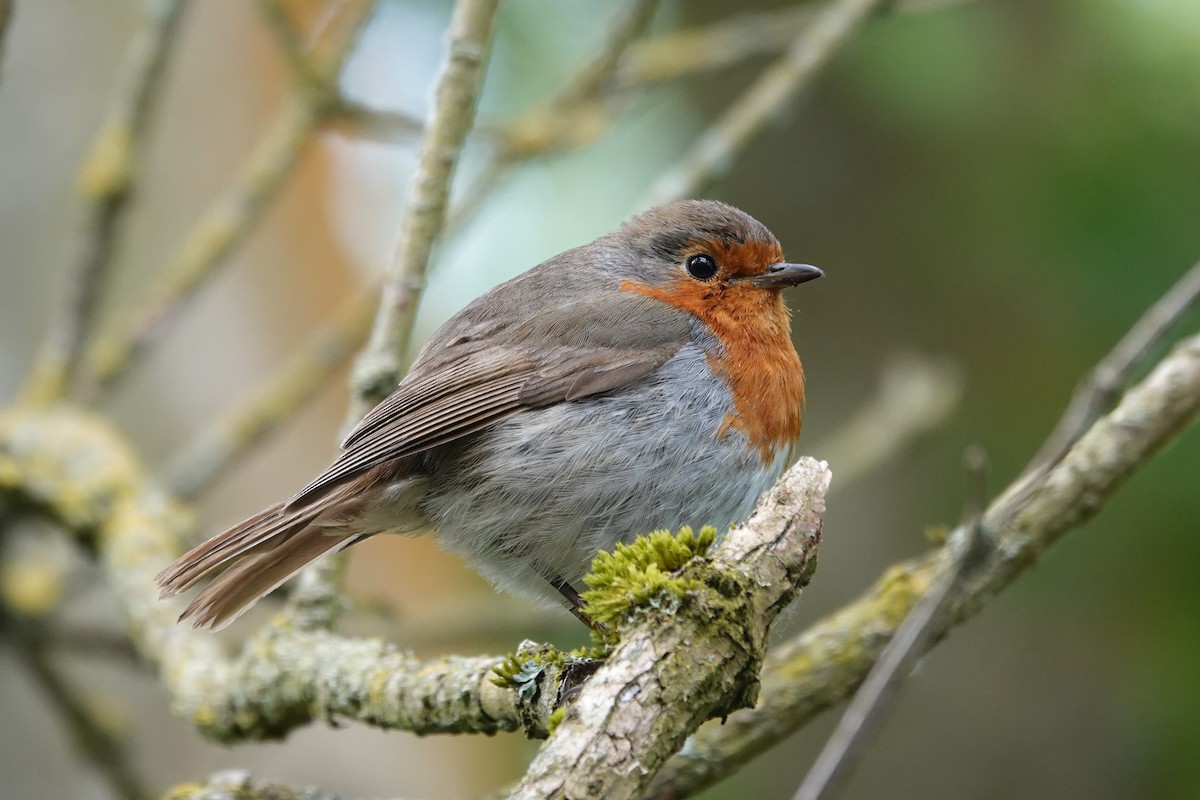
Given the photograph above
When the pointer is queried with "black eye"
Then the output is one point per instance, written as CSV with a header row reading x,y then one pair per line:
x,y
701,266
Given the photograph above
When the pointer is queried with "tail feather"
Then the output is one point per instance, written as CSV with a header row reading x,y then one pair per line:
x,y
248,537
255,576
261,552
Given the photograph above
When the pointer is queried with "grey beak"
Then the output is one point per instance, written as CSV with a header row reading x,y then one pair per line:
x,y
782,275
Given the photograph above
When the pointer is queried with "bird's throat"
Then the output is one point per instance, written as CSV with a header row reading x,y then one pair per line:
x,y
757,358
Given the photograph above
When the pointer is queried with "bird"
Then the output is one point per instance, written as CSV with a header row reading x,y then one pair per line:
x,y
644,381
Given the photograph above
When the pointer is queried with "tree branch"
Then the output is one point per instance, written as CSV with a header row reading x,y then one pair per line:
x,y
912,638
75,470
736,38
575,115
823,665
773,92
107,180
227,222
1103,385
382,125
307,75
379,368
674,669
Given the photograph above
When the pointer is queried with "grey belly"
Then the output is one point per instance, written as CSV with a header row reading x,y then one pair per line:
x,y
537,495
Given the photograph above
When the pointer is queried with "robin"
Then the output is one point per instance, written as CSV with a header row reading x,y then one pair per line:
x,y
644,381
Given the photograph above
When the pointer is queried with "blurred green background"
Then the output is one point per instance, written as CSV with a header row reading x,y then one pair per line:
x,y
1004,183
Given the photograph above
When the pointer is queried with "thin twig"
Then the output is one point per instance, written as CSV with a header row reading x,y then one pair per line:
x,y
305,73
357,119
734,39
101,748
711,47
107,180
591,80
379,368
576,115
557,127
1104,384
912,638
768,97
227,222
220,445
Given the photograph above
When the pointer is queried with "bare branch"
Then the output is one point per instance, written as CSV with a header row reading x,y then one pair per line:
x,y
912,638
595,75
306,74
722,44
227,222
1103,385
379,368
823,665
688,665
576,115
222,444
107,180
764,100
734,39
357,119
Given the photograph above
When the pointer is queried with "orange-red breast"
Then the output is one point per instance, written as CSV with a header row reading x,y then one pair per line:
x,y
646,380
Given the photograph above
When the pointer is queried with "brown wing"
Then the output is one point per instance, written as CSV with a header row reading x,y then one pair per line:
x,y
487,385
496,358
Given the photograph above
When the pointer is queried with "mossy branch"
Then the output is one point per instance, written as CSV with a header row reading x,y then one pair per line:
x,y
679,663
73,469
824,664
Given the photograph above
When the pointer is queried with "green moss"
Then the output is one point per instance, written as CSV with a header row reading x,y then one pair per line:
x,y
642,575
522,671
184,791
556,719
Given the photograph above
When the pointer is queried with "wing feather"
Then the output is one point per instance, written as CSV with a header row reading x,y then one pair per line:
x,y
480,373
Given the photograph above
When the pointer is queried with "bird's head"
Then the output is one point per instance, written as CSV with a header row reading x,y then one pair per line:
x,y
711,260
